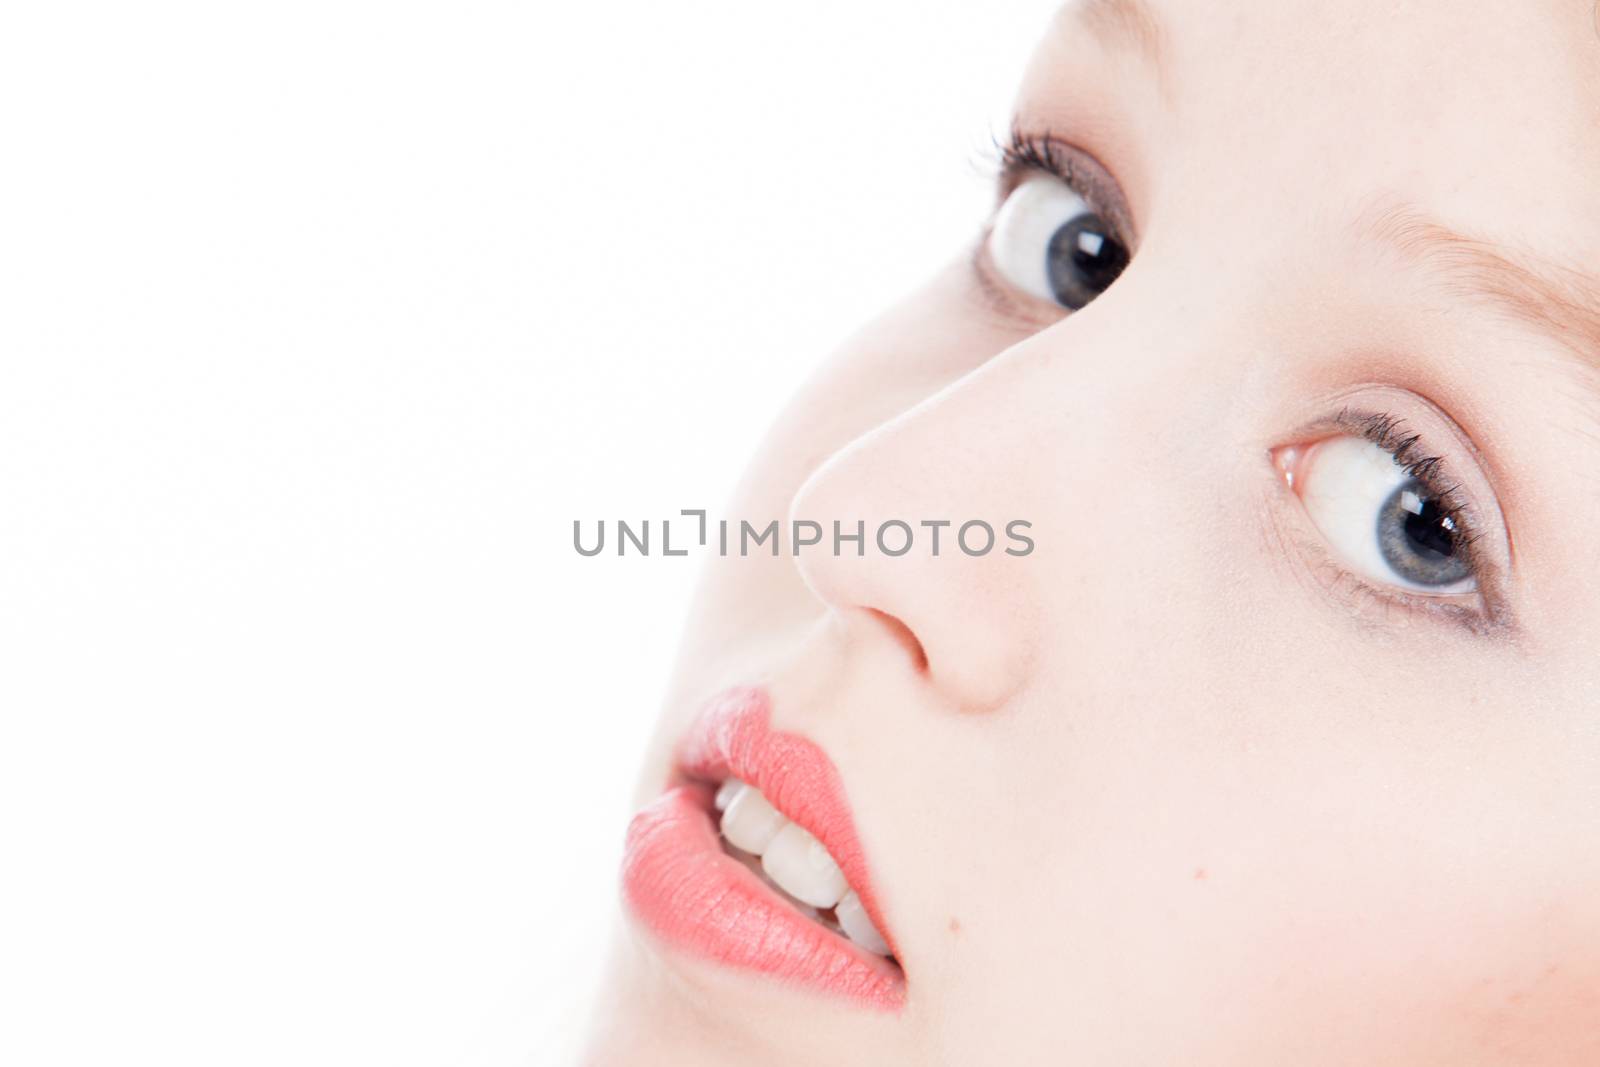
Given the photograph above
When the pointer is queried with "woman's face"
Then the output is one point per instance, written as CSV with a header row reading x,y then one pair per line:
x,y
1282,745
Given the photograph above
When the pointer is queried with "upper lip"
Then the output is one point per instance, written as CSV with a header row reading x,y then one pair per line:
x,y
733,739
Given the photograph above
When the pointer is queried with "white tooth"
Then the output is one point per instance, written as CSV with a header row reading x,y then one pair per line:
x,y
857,927
801,867
750,822
727,791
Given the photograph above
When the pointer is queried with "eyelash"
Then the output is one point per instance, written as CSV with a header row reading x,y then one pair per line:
x,y
1389,433
1023,152
1015,157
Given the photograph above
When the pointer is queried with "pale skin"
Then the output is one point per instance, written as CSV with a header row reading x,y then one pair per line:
x,y
1182,786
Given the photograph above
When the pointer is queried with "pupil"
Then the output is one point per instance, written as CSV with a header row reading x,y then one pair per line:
x,y
1428,533
1083,260
1418,539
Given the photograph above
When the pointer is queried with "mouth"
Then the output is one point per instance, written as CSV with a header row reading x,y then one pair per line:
x,y
750,859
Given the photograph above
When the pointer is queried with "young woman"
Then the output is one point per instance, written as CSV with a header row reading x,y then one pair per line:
x,y
1273,733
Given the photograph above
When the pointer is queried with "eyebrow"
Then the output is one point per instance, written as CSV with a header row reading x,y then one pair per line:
x,y
1125,23
1558,300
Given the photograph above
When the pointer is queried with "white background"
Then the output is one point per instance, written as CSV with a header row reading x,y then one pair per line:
x,y
319,324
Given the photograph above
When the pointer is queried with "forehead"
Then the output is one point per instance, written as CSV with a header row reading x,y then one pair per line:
x,y
1469,109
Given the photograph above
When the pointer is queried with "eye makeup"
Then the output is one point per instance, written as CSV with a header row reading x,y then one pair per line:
x,y
1054,171
1442,478
1025,152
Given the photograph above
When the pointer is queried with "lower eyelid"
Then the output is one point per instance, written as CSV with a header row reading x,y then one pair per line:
x,y
1322,572
1372,607
1000,298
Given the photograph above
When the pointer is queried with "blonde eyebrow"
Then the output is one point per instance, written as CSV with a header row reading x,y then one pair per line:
x,y
1559,300
1129,23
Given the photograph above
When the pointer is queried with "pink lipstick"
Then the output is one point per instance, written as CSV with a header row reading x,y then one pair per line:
x,y
699,894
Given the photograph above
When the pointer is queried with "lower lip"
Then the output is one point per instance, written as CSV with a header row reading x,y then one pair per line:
x,y
694,896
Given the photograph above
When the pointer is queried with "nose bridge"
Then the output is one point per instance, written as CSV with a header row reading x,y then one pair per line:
x,y
1087,434
950,481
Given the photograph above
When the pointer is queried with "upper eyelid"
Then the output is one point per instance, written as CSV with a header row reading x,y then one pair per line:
x,y
1025,153
1021,156
1327,572
1494,593
1393,435
1045,152
1434,471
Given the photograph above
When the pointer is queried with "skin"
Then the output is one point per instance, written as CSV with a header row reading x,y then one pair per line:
x,y
1178,787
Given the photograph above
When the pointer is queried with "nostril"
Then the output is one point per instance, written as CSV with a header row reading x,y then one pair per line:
x,y
904,637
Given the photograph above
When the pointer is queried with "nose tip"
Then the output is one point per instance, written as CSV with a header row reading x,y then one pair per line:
x,y
954,616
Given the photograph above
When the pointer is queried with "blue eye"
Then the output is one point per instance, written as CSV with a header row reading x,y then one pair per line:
x,y
1382,520
1048,242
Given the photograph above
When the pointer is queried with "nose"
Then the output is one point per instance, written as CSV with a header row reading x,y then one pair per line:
x,y
925,536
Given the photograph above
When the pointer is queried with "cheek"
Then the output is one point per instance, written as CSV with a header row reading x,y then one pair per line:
x,y
1281,876
1441,971
1401,910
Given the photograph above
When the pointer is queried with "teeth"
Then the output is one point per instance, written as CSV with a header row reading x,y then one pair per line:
x,y
803,869
749,822
795,862
857,927
727,791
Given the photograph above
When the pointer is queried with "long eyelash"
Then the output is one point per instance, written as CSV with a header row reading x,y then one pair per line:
x,y
1020,151
1389,433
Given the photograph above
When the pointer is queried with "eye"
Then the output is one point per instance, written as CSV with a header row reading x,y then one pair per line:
x,y
1048,242
1381,518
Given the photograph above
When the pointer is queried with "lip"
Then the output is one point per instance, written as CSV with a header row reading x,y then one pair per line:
x,y
691,894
